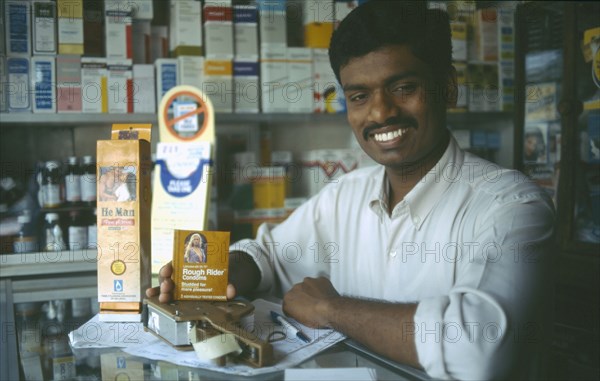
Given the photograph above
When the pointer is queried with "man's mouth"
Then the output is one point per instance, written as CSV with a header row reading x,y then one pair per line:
x,y
394,127
389,135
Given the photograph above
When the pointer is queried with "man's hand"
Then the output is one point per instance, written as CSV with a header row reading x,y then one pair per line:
x,y
166,285
309,302
243,277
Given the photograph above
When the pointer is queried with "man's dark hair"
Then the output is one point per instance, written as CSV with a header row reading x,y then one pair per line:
x,y
380,23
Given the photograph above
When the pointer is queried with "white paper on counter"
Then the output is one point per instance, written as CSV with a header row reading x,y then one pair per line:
x,y
132,339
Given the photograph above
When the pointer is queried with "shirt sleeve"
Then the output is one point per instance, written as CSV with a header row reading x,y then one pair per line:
x,y
477,331
284,253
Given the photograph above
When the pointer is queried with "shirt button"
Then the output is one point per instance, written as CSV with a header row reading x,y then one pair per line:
x,y
393,254
417,220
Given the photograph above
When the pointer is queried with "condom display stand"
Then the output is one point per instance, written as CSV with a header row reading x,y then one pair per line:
x,y
183,168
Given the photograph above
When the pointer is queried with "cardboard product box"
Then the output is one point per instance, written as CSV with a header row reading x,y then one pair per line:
x,y
70,26
18,74
328,96
3,85
318,35
159,42
118,29
185,28
18,28
68,83
200,265
218,30
541,101
43,84
484,90
272,21
506,33
144,91
245,32
322,167
120,86
123,219
142,10
485,34
44,28
94,85
273,78
218,84
167,76
299,90
191,70
462,96
93,28
141,39
506,73
459,40
318,20
247,88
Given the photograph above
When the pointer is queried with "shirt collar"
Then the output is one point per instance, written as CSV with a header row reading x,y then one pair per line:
x,y
427,193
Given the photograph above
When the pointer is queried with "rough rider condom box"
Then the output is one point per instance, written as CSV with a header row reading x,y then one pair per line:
x,y
200,264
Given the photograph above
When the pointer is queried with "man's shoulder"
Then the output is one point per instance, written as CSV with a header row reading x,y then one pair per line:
x,y
498,183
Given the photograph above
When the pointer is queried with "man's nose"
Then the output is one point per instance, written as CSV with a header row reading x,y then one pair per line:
x,y
382,107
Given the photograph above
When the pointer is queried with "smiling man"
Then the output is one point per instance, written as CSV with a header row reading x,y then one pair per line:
x,y
435,258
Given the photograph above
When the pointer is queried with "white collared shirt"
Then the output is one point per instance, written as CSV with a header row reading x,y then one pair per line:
x,y
467,243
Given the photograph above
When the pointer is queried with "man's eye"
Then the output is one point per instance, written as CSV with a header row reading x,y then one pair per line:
x,y
357,97
407,88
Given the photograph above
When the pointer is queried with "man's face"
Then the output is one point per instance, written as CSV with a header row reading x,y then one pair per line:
x,y
396,113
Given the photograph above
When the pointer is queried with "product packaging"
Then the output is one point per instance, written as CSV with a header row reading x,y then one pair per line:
x,y
123,220
200,265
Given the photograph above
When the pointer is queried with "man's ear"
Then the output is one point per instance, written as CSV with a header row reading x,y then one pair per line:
x,y
451,88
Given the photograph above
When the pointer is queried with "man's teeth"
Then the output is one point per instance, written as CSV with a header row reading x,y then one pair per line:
x,y
386,136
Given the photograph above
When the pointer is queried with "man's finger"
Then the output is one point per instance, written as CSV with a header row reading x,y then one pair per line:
x,y
150,292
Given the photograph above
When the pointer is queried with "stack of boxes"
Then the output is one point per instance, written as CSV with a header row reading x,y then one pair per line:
x,y
242,56
483,54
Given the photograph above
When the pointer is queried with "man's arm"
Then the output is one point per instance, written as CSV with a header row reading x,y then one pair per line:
x,y
386,328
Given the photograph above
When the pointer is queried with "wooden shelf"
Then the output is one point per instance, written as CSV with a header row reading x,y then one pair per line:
x,y
78,119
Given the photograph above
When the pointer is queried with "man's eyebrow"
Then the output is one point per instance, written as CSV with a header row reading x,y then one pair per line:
x,y
388,81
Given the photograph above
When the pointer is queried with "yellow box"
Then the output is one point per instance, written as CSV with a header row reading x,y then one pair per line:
x,y
123,218
200,265
318,34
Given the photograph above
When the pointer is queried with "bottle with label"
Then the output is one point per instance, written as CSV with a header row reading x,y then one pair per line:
x,y
51,185
92,231
26,239
73,181
53,232
78,231
88,181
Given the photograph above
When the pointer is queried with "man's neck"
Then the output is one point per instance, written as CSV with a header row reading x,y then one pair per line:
x,y
404,178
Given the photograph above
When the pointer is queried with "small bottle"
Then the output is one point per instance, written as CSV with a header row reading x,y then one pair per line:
x,y
73,181
92,231
88,181
53,233
51,185
78,237
26,239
